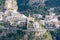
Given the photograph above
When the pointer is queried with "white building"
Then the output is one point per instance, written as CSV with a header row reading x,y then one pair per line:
x,y
37,16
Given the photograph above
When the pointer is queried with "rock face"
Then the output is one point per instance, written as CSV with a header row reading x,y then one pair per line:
x,y
11,14
11,4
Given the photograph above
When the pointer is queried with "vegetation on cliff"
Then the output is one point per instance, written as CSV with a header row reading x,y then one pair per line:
x,y
2,3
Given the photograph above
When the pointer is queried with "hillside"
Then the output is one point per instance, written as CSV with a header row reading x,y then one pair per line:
x,y
29,20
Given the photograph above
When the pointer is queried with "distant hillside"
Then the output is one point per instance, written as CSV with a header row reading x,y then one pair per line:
x,y
2,3
22,5
55,4
25,5
26,8
52,3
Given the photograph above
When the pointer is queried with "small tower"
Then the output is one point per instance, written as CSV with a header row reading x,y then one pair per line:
x,y
28,19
